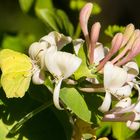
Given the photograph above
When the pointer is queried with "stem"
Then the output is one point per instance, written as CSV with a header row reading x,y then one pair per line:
x,y
91,90
17,126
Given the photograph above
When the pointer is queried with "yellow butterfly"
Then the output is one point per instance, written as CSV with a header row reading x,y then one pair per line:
x,y
16,72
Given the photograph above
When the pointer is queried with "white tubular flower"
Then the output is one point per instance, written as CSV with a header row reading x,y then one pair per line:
x,y
56,39
114,80
38,50
61,65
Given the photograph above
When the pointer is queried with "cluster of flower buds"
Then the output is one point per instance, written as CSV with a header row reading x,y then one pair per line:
x,y
118,68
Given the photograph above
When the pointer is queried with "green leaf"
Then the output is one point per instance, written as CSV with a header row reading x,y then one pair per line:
x,y
56,19
66,25
113,29
79,4
26,4
83,70
48,17
18,43
121,131
73,99
137,58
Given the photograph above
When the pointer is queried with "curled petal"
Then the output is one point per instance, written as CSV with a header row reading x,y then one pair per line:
x,y
132,70
36,49
106,103
56,39
37,52
56,95
99,53
133,125
38,77
77,43
126,102
124,91
114,77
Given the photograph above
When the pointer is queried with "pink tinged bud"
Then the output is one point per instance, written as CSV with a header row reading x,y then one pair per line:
x,y
116,44
135,50
128,46
95,30
84,17
127,33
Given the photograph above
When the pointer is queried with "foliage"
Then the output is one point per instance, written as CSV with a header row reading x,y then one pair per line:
x,y
35,115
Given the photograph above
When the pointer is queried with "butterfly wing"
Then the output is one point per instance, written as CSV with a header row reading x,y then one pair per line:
x,y
16,73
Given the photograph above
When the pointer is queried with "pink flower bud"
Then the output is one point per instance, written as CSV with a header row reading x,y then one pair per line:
x,y
135,50
95,30
116,44
84,17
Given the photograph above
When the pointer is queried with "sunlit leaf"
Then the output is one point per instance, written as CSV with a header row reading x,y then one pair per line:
x,y
112,30
121,131
78,4
72,98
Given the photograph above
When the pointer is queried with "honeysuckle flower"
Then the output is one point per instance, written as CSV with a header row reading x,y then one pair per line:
x,y
114,80
61,65
38,50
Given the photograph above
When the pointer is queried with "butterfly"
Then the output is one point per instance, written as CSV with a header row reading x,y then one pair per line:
x,y
16,72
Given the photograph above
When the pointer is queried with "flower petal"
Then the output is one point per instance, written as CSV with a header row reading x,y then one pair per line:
x,y
62,64
124,91
56,95
126,102
133,125
132,70
77,44
38,77
99,53
106,103
57,39
114,76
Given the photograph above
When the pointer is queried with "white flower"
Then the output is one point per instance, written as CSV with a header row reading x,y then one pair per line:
x,y
115,79
61,65
38,50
